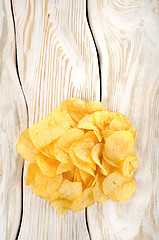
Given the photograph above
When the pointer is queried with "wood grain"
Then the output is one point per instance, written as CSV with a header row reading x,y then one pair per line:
x,y
13,120
56,60
127,38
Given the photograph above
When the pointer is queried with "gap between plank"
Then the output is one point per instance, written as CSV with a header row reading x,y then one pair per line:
x,y
99,67
16,64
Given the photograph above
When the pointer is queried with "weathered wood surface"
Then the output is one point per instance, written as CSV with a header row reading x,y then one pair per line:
x,y
127,38
57,59
13,120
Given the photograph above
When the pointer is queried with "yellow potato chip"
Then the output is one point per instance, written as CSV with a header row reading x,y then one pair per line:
x,y
113,163
69,175
75,107
107,133
100,119
87,122
77,177
81,164
26,148
108,167
86,177
48,150
69,137
119,145
126,191
97,151
50,128
64,167
61,206
133,131
117,124
113,186
129,165
70,190
93,106
92,182
125,120
98,193
60,154
84,200
30,174
48,166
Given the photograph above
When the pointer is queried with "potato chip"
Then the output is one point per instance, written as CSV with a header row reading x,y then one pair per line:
x,y
26,148
97,151
100,119
75,107
50,128
80,154
48,150
30,174
87,122
114,163
119,145
93,106
64,167
117,124
69,175
108,167
61,206
133,131
81,164
125,120
70,190
113,186
84,200
69,137
129,165
48,166
60,154
98,193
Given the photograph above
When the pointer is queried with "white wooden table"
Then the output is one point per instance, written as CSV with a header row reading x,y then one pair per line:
x,y
105,50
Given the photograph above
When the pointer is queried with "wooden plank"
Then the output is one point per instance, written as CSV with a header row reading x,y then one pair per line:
x,y
13,120
127,38
57,60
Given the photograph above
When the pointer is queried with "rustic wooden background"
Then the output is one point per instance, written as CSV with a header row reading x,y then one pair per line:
x,y
106,50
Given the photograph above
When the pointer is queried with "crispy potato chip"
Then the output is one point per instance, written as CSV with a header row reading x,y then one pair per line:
x,y
50,128
108,167
126,191
70,120
98,193
93,106
125,120
107,133
117,124
64,167
75,107
60,154
69,175
113,186
70,190
61,206
84,200
119,145
110,117
48,150
30,174
133,131
87,122
92,183
85,176
113,163
100,119
81,164
26,148
69,137
97,151
129,165
48,166
77,177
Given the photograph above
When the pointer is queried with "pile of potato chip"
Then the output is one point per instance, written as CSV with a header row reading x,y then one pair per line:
x,y
80,154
